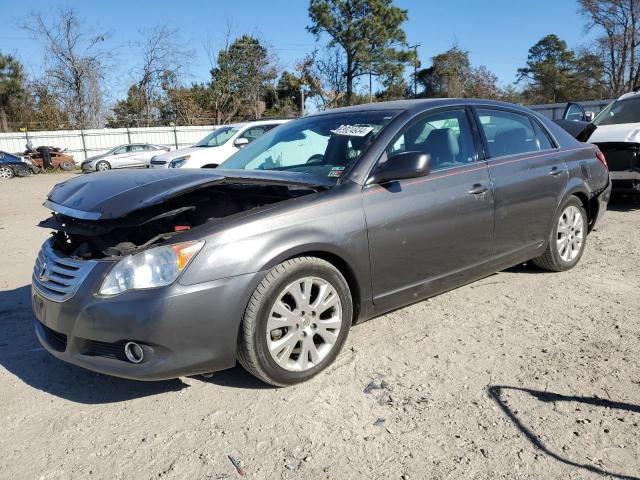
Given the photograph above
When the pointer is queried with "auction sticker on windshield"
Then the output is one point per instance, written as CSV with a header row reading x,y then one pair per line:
x,y
353,130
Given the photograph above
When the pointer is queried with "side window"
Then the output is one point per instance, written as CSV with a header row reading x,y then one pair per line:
x,y
254,132
544,141
445,136
508,133
135,148
120,150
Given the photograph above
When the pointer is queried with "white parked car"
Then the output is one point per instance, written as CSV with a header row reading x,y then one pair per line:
x,y
134,155
215,148
616,132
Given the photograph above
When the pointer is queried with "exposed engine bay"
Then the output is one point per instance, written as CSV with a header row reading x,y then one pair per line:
x,y
112,238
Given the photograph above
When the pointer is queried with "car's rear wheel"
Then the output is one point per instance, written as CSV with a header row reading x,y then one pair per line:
x,y
296,322
568,238
6,172
103,166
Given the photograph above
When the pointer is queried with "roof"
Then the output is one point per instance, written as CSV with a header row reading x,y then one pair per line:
x,y
264,121
419,105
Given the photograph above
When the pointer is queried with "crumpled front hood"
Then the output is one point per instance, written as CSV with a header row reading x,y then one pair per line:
x,y
114,194
624,132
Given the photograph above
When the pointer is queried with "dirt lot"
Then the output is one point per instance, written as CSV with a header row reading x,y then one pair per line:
x,y
524,374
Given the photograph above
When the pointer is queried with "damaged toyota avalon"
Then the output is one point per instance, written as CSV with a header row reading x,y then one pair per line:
x,y
323,222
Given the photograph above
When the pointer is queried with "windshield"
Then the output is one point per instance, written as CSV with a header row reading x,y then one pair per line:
x,y
218,137
620,111
322,145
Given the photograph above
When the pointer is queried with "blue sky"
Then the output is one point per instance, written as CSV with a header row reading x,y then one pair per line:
x,y
497,33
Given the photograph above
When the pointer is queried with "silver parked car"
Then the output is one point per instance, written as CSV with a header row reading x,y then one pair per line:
x,y
134,155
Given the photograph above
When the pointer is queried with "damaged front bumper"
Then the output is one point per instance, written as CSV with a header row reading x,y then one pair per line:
x,y
183,329
624,162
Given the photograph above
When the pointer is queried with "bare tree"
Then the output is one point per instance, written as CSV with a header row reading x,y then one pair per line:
x,y
324,77
75,65
619,47
163,57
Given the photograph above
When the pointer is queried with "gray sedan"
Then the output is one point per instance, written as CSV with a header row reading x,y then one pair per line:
x,y
328,220
134,155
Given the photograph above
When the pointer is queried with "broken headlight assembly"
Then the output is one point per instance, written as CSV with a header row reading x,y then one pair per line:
x,y
179,161
155,267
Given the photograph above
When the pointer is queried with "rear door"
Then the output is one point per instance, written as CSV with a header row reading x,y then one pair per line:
x,y
428,234
528,177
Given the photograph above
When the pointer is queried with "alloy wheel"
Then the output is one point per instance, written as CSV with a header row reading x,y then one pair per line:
x,y
6,172
570,233
304,324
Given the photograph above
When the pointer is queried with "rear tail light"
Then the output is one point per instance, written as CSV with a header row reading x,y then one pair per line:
x,y
600,156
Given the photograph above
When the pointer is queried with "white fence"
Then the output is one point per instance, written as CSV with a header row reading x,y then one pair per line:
x,y
86,143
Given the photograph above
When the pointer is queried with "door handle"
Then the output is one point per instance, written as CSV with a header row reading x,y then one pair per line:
x,y
478,189
555,171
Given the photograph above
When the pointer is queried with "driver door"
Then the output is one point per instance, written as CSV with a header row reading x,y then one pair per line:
x,y
432,233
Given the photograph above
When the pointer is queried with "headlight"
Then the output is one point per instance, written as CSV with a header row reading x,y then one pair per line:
x,y
156,267
179,162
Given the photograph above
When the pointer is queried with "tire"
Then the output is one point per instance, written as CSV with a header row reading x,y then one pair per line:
x,y
567,239
6,173
102,166
67,165
263,329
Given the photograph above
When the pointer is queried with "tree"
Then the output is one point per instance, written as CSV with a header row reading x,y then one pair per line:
x,y
162,58
555,73
75,65
12,90
286,97
128,112
550,64
324,77
240,78
619,46
366,31
447,74
482,83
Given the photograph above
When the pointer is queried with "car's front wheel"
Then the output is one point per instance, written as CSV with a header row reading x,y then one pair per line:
x,y
568,238
6,172
296,322
102,166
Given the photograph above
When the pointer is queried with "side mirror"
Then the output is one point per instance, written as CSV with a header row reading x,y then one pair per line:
x,y
241,142
589,116
402,166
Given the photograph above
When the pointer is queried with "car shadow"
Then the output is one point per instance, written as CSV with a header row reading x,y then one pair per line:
x,y
22,355
236,377
624,202
496,393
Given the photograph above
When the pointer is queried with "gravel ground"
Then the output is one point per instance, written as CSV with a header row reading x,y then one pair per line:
x,y
523,374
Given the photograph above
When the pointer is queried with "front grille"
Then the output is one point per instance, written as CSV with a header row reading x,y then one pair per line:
x,y
93,348
158,162
57,340
56,277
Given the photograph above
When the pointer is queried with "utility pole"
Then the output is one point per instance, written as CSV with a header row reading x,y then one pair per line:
x,y
415,69
302,100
